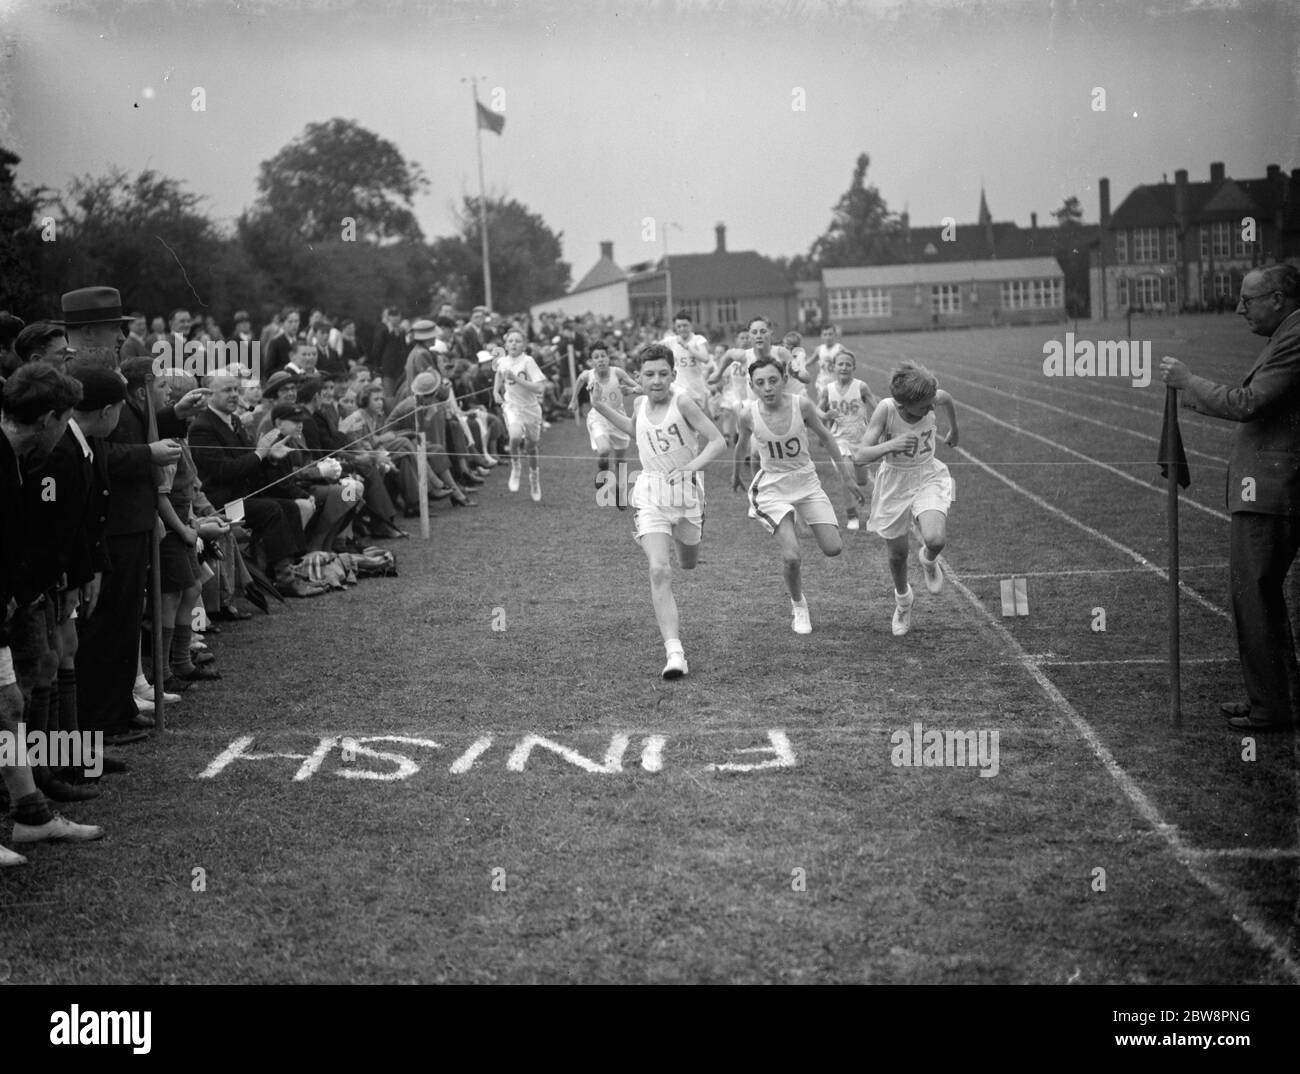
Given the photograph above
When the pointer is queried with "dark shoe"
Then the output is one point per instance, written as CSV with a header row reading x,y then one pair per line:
x,y
60,791
174,685
229,613
461,500
298,588
257,599
201,658
437,494
1235,708
201,674
1250,723
123,738
211,628
469,480
141,720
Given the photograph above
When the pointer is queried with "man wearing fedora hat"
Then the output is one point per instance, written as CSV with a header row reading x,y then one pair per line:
x,y
94,323
421,358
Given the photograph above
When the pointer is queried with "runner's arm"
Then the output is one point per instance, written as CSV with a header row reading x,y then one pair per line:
x,y
944,401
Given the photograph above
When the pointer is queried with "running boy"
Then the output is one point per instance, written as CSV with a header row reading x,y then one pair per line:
x,y
821,365
735,386
787,483
607,384
690,356
846,402
668,497
912,483
519,387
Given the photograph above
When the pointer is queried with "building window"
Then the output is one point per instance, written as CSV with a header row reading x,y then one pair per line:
x,y
727,313
1148,293
1146,244
1244,248
1173,292
694,310
1121,247
859,302
1171,244
648,309
1121,293
945,298
1031,294
1223,285
1221,239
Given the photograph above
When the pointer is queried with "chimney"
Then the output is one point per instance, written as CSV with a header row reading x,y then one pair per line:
x,y
1180,194
721,231
1216,172
1295,175
1033,221
607,251
1103,193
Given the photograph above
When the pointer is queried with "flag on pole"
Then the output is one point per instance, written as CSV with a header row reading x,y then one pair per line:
x,y
1171,443
489,120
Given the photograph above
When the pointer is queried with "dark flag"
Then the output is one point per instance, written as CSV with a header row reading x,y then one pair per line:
x,y
489,120
1171,443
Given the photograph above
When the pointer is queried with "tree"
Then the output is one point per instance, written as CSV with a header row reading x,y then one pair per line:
x,y
1070,214
21,252
336,172
863,231
146,236
525,253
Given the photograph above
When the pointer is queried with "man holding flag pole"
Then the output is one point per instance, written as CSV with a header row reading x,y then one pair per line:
x,y
1263,492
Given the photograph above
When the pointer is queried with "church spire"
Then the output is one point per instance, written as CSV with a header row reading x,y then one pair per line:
x,y
986,223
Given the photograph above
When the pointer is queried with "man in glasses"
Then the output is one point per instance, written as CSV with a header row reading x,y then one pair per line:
x,y
1263,492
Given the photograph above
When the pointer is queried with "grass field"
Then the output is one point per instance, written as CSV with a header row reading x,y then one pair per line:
x,y
478,860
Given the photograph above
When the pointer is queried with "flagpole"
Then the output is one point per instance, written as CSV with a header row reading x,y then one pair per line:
x,y
482,198
1171,519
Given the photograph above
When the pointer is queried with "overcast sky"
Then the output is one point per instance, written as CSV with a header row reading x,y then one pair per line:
x,y
684,112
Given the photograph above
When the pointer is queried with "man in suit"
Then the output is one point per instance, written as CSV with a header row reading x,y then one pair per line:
x,y
388,354
134,346
232,467
1263,492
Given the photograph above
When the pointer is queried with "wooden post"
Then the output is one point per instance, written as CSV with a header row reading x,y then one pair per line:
x,y
573,385
160,658
422,467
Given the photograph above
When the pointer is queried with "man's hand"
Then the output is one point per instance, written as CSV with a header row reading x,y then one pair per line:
x,y
1174,373
904,444
90,593
192,402
951,438
265,442
164,452
279,450
212,528
188,534
68,601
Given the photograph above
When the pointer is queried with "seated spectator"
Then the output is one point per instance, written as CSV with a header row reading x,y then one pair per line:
x,y
420,412
421,357
280,387
395,453
234,468
299,476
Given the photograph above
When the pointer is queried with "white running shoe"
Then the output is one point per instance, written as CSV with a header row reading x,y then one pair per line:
x,y
676,666
57,829
9,857
513,483
802,623
932,571
535,485
854,524
903,613
144,698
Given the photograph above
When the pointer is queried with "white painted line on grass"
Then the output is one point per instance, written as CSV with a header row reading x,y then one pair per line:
x,y
1242,912
1102,570
1158,489
1250,853
1050,661
1137,557
1080,417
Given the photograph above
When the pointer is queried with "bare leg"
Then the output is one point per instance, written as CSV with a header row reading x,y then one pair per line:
x,y
898,550
658,554
790,559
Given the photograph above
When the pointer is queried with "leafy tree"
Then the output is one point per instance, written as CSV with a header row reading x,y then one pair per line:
x,y
335,171
21,252
525,253
1070,214
148,237
863,231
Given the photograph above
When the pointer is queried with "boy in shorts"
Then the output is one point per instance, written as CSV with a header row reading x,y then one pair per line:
x,y
668,497
786,485
912,482
845,404
607,384
519,387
